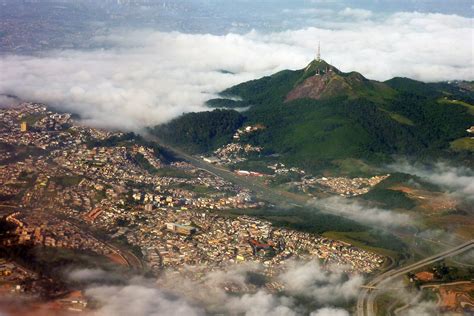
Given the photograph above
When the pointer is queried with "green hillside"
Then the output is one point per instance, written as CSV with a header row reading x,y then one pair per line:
x,y
203,131
319,114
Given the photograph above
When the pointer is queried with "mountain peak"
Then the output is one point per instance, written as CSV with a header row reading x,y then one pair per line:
x,y
321,79
319,67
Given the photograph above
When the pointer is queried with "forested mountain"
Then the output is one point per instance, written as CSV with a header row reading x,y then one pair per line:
x,y
319,114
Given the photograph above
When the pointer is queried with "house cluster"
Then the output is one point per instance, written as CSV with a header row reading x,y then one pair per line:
x,y
32,124
41,229
176,238
174,216
348,186
14,279
247,130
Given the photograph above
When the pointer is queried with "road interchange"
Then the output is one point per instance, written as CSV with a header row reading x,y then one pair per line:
x,y
367,296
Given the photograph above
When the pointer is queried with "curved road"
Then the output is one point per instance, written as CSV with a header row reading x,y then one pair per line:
x,y
367,296
132,261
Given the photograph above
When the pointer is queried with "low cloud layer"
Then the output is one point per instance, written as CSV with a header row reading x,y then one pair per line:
x,y
361,213
140,300
148,77
311,280
456,180
175,294
330,311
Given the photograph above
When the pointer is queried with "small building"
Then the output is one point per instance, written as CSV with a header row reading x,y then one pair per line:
x,y
24,127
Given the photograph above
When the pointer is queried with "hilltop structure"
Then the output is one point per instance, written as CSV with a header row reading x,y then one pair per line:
x,y
318,55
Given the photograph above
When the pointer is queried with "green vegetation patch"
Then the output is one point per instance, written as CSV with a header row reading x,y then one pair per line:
x,y
390,198
31,119
67,181
227,103
172,172
52,261
463,144
379,242
353,168
468,106
304,220
201,190
253,165
400,118
141,161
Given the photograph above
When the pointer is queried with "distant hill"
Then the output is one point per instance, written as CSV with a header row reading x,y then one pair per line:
x,y
318,115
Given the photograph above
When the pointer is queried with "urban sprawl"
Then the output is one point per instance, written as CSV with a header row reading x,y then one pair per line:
x,y
65,185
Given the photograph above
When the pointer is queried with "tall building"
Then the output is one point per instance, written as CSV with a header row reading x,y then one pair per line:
x,y
24,126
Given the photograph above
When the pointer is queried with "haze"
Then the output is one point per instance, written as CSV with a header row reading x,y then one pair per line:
x,y
106,64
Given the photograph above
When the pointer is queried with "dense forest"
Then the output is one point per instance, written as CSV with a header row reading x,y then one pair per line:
x,y
227,103
203,131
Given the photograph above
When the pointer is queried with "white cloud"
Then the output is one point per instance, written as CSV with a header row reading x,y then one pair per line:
x,y
88,275
422,309
356,13
179,293
176,294
7,101
359,212
457,180
260,303
148,77
140,300
329,311
310,279
320,12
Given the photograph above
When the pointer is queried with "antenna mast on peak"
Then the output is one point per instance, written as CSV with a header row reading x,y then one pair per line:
x,y
318,56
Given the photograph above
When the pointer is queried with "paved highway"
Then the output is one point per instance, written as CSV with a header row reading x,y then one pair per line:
x,y
366,299
277,197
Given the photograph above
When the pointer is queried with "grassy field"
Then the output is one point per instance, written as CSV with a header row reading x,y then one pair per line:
x,y
200,190
469,107
463,144
171,172
400,118
363,240
354,168
67,181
